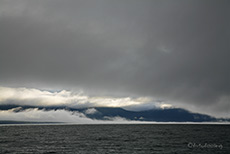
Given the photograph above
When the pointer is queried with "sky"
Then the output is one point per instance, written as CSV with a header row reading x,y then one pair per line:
x,y
126,53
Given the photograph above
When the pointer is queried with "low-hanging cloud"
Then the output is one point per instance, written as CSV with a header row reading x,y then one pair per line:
x,y
175,51
35,115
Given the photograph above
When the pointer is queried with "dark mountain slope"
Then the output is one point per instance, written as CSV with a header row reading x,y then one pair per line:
x,y
105,113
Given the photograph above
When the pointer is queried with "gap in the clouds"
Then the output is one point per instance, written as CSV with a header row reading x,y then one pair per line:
x,y
78,99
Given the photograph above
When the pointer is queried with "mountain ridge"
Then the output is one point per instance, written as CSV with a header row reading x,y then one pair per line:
x,y
106,113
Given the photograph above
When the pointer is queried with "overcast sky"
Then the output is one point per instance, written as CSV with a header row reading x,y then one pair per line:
x,y
176,52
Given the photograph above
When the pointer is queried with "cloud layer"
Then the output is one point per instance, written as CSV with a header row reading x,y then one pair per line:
x,y
35,115
36,97
175,51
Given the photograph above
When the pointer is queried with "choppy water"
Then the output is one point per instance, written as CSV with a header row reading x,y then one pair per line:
x,y
99,139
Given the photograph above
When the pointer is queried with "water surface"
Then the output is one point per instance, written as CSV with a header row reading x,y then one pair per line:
x,y
116,138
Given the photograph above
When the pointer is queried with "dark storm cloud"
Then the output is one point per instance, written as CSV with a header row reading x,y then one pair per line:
x,y
176,51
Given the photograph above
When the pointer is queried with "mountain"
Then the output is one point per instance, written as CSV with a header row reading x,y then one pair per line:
x,y
158,115
106,113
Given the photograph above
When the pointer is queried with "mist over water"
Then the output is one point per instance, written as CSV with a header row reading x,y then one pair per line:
x,y
116,138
